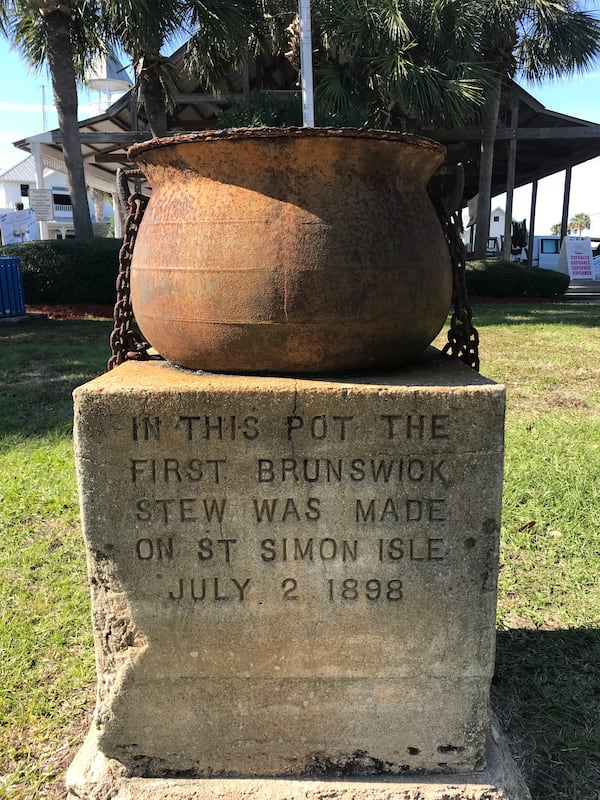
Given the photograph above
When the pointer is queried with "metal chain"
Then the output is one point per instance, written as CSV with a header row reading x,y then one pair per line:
x,y
446,190
125,342
463,337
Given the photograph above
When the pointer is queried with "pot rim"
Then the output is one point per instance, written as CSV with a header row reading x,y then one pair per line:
x,y
233,134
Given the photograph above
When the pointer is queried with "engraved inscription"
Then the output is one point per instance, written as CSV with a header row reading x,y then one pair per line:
x,y
186,509
400,510
219,428
385,509
289,586
408,469
416,426
286,510
396,549
175,470
144,428
208,549
326,549
320,427
217,589
371,589
158,549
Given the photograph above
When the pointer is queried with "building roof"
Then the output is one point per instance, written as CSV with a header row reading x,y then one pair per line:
x,y
23,172
548,142
106,137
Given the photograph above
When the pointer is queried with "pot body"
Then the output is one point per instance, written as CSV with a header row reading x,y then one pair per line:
x,y
290,250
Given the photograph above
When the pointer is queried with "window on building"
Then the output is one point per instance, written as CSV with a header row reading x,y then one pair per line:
x,y
61,199
24,190
496,219
551,246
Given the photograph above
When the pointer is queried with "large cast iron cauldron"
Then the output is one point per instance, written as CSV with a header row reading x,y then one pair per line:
x,y
277,250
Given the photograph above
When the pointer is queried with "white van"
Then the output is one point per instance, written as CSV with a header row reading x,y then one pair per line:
x,y
546,250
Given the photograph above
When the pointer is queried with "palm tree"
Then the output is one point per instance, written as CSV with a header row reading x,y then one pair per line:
x,y
555,229
580,222
403,64
219,31
539,39
142,28
58,33
223,34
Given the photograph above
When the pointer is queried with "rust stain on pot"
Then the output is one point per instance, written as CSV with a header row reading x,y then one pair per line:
x,y
290,250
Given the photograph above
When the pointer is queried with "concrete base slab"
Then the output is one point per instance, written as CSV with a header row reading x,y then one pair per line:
x,y
92,776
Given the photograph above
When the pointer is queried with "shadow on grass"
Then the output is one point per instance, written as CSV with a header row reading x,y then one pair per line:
x,y
546,693
586,315
41,362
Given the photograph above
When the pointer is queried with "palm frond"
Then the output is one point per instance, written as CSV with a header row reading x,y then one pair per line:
x,y
335,88
27,30
552,46
142,25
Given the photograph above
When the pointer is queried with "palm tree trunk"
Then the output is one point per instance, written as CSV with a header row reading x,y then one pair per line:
x,y
62,74
98,200
151,91
486,166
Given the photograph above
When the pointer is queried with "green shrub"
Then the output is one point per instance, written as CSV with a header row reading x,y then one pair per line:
x,y
507,279
264,109
68,271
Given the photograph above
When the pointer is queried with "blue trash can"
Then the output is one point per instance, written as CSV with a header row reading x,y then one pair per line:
x,y
12,300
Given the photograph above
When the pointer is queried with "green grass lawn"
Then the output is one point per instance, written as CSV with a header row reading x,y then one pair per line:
x,y
547,684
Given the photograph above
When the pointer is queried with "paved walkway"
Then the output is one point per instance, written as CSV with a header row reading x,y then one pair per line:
x,y
580,291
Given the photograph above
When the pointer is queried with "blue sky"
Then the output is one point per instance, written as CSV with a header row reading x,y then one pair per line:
x,y
21,115
21,92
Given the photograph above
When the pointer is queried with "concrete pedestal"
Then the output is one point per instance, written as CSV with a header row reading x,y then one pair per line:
x,y
290,577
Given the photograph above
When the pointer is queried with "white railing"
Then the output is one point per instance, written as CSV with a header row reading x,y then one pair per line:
x,y
54,164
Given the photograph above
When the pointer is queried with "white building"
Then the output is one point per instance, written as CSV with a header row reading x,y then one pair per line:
x,y
496,231
45,169
16,182
497,218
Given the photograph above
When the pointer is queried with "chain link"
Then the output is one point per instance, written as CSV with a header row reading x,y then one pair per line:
x,y
445,191
463,337
125,342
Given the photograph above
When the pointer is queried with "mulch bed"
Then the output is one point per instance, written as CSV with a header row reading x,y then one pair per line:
x,y
71,310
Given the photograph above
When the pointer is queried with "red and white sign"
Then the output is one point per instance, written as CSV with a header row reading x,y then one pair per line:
x,y
576,256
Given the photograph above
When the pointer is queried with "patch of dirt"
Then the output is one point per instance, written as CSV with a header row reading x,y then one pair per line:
x,y
565,402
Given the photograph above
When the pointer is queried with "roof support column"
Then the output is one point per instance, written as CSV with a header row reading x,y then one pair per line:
x,y
36,151
510,178
534,190
565,211
117,215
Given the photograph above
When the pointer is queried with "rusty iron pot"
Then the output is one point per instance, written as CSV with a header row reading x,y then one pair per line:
x,y
270,250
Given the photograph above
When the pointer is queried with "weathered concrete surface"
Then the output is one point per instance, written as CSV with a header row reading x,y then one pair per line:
x,y
292,576
93,777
